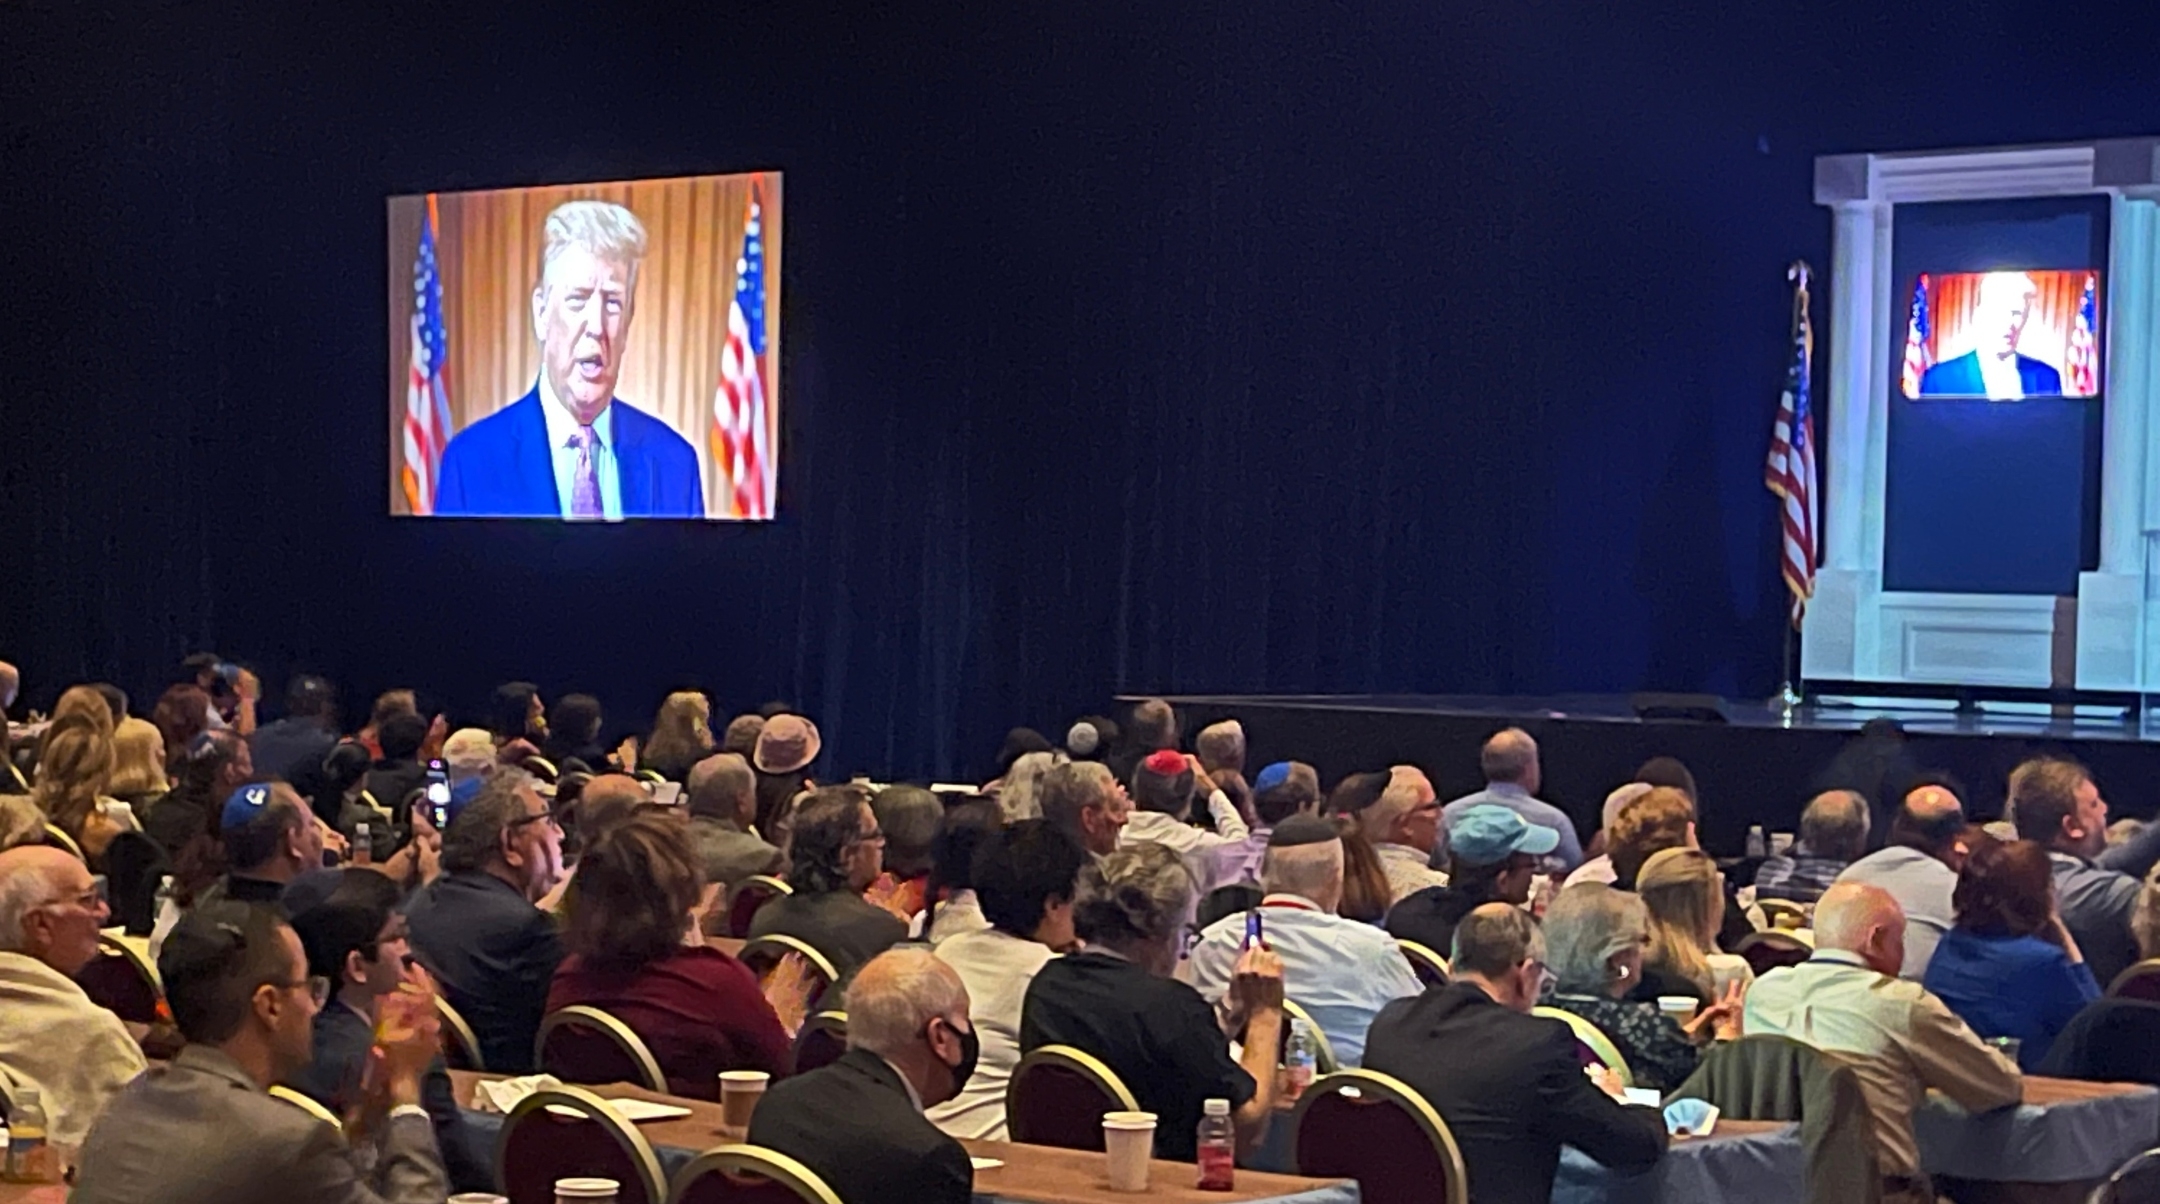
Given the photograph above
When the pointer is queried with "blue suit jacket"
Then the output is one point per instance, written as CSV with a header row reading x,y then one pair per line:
x,y
1961,378
500,467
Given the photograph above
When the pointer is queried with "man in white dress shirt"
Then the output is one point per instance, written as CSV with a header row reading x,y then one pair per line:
x,y
1163,789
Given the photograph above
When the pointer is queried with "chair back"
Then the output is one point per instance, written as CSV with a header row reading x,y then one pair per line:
x,y
1324,1061
765,952
1764,1077
649,776
746,896
2108,1041
1367,1126
1596,1048
586,1045
2134,1182
1767,951
748,1174
58,838
568,1133
134,865
1058,1096
461,1045
1430,968
542,768
1784,914
121,980
307,1104
821,1041
2140,980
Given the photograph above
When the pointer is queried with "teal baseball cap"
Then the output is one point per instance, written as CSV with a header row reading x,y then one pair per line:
x,y
1489,833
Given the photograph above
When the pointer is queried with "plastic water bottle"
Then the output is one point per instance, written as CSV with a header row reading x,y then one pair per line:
x,y
1218,1147
1299,1058
167,915
1757,847
30,1159
363,846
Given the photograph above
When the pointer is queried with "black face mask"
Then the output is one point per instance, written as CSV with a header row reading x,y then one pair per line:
x,y
970,1050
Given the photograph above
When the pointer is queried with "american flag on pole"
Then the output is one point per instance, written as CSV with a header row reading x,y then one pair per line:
x,y
2082,375
427,397
1918,358
1790,472
739,438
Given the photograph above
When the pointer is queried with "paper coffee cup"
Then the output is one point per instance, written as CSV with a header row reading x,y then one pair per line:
x,y
478,1197
1680,1007
586,1191
740,1091
1128,1145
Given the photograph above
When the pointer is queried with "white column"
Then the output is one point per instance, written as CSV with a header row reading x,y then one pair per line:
x,y
1852,341
2127,388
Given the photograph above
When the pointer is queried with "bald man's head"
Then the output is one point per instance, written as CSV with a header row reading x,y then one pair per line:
x,y
608,800
1511,757
10,682
43,913
1862,920
1929,819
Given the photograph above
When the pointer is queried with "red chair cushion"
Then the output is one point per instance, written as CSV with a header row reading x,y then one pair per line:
x,y
1374,1142
820,1046
543,1147
577,1053
2143,985
1057,1106
719,1187
112,982
746,904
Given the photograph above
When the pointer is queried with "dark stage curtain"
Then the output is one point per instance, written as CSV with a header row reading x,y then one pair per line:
x,y
1200,347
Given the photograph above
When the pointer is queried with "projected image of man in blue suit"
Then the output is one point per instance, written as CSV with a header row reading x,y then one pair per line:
x,y
570,448
1993,368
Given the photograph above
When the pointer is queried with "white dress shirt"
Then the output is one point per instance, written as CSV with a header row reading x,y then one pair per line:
x,y
1340,971
1198,848
561,428
1899,1039
1409,870
996,968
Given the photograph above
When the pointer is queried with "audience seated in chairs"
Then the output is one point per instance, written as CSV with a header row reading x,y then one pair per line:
x,y
1493,855
910,818
1403,827
1509,1085
53,1037
1025,877
573,735
722,798
952,907
1281,790
269,837
1595,937
1918,866
1084,800
2057,803
681,736
211,767
1345,972
1599,868
786,747
837,854
73,764
1509,761
1833,834
1899,1039
1116,1001
2010,968
636,952
292,746
1163,791
138,772
237,978
398,771
476,928
1685,893
355,940
858,1123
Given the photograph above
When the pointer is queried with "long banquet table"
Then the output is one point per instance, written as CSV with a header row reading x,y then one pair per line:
x,y
1030,1174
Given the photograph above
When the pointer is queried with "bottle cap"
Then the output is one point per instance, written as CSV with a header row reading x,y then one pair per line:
x,y
1216,1107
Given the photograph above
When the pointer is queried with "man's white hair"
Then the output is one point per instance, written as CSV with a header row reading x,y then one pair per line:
x,y
24,887
1309,871
1399,799
604,228
894,996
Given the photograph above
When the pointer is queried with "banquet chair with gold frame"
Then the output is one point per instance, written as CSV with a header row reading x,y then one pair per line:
x,y
1058,1096
745,897
1772,949
568,1132
1597,1048
1367,1126
1431,968
1324,1060
307,1104
461,1045
580,1044
122,980
748,1174
762,953
821,1041
2140,980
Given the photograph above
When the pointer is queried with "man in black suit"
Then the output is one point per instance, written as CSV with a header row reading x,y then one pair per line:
x,y
1509,1085
859,1122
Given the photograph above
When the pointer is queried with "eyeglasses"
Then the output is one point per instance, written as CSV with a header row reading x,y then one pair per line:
x,y
549,816
318,988
89,900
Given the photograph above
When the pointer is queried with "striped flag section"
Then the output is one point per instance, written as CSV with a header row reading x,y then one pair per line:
x,y
739,438
1790,471
427,396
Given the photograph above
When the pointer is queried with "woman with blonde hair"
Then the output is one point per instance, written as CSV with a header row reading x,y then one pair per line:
x,y
138,773
681,737
1685,894
77,758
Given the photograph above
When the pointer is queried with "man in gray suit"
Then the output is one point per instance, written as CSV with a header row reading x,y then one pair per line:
x,y
723,809
204,1130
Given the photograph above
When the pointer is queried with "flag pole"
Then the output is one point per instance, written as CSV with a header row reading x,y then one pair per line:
x,y
1789,698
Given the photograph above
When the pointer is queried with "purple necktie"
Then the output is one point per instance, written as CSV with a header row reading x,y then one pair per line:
x,y
585,477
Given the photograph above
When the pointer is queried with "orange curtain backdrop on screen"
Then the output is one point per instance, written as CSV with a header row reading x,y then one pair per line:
x,y
1953,299
489,251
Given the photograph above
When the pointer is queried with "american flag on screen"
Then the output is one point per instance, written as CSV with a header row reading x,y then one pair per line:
x,y
1790,472
427,398
2083,363
739,449
1918,359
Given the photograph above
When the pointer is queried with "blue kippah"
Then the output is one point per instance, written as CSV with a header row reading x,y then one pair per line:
x,y
244,804
1272,776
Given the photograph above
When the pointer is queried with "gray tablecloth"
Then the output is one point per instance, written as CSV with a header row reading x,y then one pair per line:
x,y
1760,1168
487,1126
2068,1141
